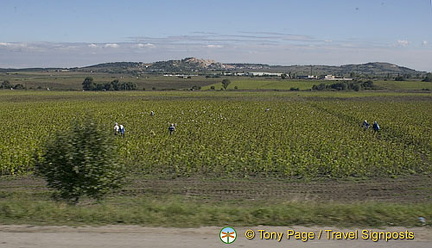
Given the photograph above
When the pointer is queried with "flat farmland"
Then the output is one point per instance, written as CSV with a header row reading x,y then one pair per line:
x,y
70,80
235,134
241,157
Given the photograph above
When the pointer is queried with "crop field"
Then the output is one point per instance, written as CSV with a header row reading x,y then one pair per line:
x,y
234,134
238,158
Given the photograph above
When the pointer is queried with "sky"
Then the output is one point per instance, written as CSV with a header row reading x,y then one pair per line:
x,y
65,33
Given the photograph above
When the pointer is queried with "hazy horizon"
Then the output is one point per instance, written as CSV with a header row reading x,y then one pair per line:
x,y
200,58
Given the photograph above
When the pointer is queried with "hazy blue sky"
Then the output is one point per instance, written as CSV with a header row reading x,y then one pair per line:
x,y
47,33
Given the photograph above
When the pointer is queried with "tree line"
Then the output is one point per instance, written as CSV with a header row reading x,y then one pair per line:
x,y
346,85
7,85
89,85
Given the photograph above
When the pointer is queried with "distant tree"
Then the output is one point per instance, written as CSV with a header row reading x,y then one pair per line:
x,y
399,78
225,83
108,87
128,86
195,88
346,86
428,78
99,87
82,160
6,85
339,86
368,85
88,84
115,84
356,87
19,87
320,87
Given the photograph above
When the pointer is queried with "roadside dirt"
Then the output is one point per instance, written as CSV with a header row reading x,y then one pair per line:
x,y
412,189
407,189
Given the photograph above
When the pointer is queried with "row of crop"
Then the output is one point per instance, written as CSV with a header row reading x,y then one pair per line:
x,y
235,137
288,140
404,123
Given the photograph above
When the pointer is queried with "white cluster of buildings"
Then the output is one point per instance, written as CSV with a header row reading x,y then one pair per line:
x,y
331,77
180,75
253,74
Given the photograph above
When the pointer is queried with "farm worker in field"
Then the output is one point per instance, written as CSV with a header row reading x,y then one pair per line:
x,y
122,130
365,125
116,128
375,126
171,128
152,113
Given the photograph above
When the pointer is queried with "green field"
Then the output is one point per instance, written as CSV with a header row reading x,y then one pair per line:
x,y
61,81
280,84
287,150
404,85
266,84
230,133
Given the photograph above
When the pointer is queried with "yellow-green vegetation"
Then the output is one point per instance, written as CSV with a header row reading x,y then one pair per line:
x,y
232,157
177,212
234,134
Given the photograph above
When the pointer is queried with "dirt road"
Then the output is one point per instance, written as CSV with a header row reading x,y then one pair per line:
x,y
21,236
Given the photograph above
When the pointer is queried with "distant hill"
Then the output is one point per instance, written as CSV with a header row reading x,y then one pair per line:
x,y
194,65
376,68
187,65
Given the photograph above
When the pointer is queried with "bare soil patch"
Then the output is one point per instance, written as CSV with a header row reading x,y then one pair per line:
x,y
406,189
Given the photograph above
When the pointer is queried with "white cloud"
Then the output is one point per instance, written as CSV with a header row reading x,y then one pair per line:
x,y
146,45
13,45
112,45
214,46
402,43
222,48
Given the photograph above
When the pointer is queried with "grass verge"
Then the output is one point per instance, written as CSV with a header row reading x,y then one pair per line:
x,y
175,211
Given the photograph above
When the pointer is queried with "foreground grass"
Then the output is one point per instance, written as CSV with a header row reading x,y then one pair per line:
x,y
173,211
